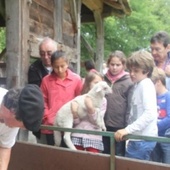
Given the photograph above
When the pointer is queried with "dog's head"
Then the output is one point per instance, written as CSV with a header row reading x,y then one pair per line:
x,y
102,87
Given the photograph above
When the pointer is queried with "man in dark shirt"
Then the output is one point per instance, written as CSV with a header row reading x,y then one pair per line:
x,y
42,66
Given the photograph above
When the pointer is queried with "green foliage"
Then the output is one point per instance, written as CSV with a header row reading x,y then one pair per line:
x,y
133,32
2,39
89,33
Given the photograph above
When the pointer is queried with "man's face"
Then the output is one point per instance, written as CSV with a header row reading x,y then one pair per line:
x,y
8,117
159,52
45,51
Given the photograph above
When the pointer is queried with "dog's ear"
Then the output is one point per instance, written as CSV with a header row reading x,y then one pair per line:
x,y
101,86
98,89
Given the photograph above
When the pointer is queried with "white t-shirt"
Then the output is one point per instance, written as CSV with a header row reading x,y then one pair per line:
x,y
7,135
143,115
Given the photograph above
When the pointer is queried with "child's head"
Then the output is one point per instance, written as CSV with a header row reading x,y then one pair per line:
x,y
158,75
140,65
59,63
116,62
91,79
89,65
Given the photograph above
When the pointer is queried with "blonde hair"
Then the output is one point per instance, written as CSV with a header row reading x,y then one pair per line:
x,y
158,74
143,60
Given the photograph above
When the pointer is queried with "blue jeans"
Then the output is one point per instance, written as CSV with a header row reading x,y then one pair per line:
x,y
139,149
161,153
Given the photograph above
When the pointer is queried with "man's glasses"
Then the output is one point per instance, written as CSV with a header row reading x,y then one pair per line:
x,y
44,53
157,50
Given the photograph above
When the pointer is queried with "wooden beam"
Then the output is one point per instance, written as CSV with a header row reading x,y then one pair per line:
x,y
45,4
93,4
17,35
88,47
99,40
79,4
113,4
120,4
73,8
58,20
123,7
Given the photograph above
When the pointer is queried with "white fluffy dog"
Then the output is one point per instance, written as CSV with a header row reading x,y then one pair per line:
x,y
64,117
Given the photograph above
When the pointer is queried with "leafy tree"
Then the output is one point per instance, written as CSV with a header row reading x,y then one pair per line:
x,y
132,32
2,39
162,12
89,34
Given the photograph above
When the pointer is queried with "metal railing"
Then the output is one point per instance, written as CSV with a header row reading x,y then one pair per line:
x,y
108,134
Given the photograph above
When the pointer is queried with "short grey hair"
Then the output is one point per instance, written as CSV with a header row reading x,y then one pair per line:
x,y
48,39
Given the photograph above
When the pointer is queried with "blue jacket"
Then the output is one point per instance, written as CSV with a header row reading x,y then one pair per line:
x,y
163,103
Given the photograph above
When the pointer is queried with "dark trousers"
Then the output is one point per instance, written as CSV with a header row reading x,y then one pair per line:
x,y
119,146
50,139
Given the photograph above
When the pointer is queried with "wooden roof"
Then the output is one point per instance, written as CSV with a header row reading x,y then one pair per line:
x,y
117,8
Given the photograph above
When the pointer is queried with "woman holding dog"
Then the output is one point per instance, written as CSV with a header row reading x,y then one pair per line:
x,y
118,105
88,142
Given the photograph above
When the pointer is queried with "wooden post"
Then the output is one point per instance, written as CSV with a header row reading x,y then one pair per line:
x,y
88,47
78,35
99,40
58,25
58,20
17,35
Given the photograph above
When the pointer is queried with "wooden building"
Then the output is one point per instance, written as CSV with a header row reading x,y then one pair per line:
x,y
27,22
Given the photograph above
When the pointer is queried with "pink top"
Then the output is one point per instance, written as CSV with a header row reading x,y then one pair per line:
x,y
56,93
86,125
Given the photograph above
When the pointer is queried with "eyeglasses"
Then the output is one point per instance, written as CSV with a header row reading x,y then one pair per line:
x,y
158,50
44,53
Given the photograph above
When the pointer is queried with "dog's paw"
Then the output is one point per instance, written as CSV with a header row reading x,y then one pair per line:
x,y
104,128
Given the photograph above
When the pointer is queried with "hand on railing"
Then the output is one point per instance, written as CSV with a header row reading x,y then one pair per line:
x,y
120,134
